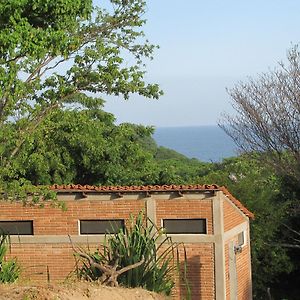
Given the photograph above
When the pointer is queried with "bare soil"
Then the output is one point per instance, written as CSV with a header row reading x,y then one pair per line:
x,y
74,291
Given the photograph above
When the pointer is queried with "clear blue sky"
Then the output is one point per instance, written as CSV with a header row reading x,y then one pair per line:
x,y
206,46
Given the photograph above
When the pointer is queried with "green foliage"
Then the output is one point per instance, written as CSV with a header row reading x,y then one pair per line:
x,y
85,146
272,198
136,243
58,55
163,153
9,270
257,186
175,168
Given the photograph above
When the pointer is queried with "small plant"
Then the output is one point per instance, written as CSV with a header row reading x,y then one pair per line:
x,y
143,255
9,270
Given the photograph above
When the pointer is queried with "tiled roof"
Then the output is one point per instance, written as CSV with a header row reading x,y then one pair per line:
x,y
135,188
236,202
152,188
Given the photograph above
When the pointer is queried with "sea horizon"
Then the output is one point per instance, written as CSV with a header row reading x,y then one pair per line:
x,y
208,143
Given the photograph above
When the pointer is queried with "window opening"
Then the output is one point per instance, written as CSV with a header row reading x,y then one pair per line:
x,y
185,226
100,226
17,227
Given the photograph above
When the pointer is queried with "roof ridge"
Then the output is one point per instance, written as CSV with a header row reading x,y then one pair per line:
x,y
134,187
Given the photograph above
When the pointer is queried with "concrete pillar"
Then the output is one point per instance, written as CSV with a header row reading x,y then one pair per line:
x,y
218,222
151,209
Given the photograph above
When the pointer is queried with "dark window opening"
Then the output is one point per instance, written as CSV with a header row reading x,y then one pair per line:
x,y
101,226
17,227
185,226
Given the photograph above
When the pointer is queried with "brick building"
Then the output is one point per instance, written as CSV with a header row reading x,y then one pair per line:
x,y
213,225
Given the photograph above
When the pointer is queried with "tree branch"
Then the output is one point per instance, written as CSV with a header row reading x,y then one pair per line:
x,y
38,69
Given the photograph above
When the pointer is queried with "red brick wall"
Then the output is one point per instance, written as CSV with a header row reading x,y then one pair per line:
x,y
200,261
232,216
55,221
35,258
200,272
244,273
58,258
183,208
39,261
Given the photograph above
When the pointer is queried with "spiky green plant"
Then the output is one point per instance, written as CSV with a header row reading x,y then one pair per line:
x,y
138,241
9,269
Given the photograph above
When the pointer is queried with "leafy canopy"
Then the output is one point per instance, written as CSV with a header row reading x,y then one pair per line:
x,y
86,147
64,54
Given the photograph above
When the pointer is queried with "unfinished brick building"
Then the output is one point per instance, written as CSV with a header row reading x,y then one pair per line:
x,y
212,224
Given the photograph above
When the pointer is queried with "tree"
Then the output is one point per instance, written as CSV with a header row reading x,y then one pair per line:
x,y
86,147
58,54
267,116
258,188
267,123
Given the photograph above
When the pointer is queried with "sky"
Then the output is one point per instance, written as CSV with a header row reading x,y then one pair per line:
x,y
206,47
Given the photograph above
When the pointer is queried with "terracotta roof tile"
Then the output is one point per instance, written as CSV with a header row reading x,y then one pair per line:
x,y
154,188
78,187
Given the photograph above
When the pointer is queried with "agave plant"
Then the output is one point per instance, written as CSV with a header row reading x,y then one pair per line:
x,y
140,244
9,270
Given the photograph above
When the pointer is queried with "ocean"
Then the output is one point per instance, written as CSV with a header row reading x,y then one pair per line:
x,y
207,143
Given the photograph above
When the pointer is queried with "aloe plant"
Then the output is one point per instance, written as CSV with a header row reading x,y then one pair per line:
x,y
9,269
138,242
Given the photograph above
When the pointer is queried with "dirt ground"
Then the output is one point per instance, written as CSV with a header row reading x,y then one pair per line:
x,y
73,291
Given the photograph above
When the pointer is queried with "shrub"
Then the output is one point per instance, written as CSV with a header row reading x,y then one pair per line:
x,y
9,270
145,253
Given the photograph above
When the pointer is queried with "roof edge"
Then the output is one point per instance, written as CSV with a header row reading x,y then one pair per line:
x,y
152,188
237,203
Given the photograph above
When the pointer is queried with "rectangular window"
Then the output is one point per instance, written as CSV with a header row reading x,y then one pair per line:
x,y
100,226
185,226
17,227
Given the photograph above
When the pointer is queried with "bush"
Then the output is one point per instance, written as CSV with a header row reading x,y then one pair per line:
x,y
9,270
146,254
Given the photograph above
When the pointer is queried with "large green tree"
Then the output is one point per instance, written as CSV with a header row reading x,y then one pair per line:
x,y
58,54
86,147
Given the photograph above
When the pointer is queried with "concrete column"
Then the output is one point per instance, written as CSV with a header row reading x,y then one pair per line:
x,y
151,209
220,270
